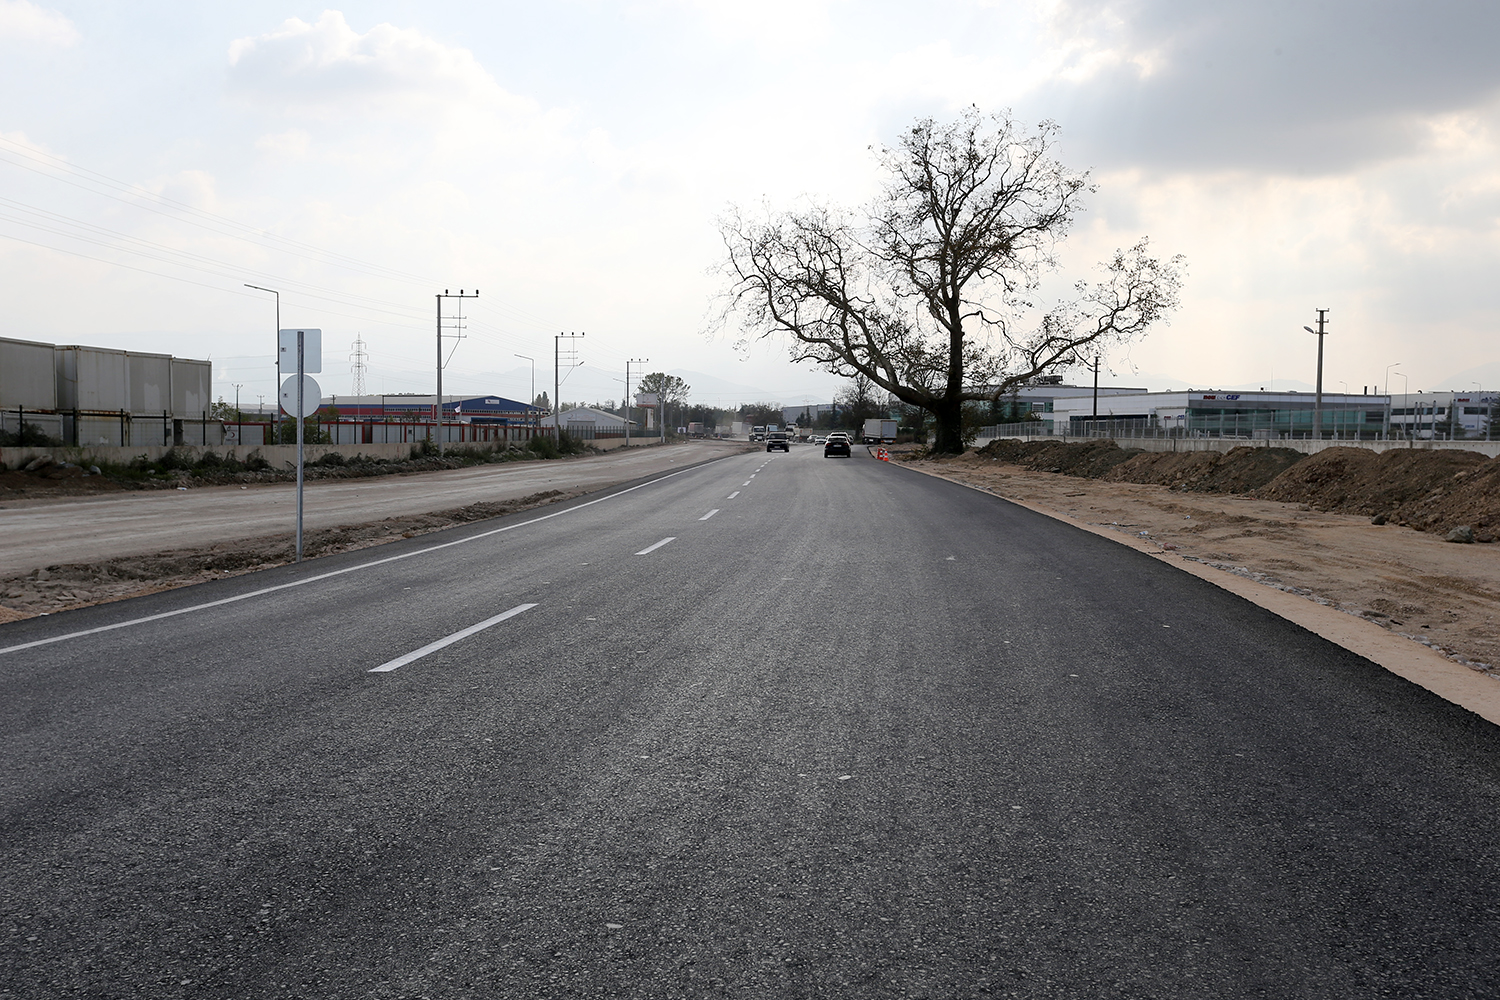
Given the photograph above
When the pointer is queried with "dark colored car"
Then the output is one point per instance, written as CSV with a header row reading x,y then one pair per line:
x,y
778,439
837,444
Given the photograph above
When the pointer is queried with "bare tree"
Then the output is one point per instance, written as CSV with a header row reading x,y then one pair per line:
x,y
857,402
925,292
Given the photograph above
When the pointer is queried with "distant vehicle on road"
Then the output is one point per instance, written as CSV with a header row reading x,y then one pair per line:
x,y
758,432
879,431
778,439
837,443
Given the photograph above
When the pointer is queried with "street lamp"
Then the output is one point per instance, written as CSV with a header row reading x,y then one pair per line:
x,y
278,342
1405,389
532,400
523,357
1386,391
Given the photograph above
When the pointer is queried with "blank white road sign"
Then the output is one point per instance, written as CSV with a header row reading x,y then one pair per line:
x,y
311,395
312,351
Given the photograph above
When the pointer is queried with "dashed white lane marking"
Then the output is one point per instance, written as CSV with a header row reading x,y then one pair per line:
x,y
324,576
710,514
653,548
733,495
448,640
745,483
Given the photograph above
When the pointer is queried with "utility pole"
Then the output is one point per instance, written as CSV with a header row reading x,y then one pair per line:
x,y
573,362
1095,423
1318,400
632,361
458,325
239,422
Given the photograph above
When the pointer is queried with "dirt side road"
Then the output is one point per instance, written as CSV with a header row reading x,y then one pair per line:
x,y
1410,583
60,553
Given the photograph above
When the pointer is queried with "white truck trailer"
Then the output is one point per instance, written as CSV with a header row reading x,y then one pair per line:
x,y
879,431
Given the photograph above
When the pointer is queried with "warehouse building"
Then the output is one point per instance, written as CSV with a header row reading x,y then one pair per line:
x,y
101,396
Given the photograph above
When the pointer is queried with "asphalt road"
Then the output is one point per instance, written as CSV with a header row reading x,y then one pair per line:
x,y
859,733
50,532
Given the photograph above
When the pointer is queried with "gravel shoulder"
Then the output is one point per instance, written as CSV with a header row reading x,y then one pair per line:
x,y
61,549
1422,607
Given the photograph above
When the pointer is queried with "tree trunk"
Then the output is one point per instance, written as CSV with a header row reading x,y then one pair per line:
x,y
949,436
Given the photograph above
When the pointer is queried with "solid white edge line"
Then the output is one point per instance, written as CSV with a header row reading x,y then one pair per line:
x,y
332,573
652,548
448,640
710,514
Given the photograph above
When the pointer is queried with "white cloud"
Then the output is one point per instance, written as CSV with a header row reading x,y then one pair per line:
x,y
328,69
22,21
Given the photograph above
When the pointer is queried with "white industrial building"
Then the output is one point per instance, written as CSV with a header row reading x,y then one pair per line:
x,y
102,396
1456,415
1212,413
588,423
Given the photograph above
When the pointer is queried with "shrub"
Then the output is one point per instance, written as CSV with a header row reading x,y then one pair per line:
x,y
29,436
542,446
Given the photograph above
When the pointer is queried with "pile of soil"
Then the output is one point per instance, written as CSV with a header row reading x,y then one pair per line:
x,y
1238,471
1430,490
55,588
1087,459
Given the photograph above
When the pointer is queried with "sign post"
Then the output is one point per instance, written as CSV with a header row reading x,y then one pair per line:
x,y
300,394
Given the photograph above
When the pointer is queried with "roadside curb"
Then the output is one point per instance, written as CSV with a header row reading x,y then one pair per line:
x,y
1427,668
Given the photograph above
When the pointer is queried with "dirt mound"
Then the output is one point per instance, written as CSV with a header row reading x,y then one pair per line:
x,y
1428,490
1085,459
1238,471
1472,497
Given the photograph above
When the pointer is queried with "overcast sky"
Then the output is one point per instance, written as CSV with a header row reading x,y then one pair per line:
x,y
568,159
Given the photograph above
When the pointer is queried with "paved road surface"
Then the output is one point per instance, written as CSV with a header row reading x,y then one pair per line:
x,y
859,733
111,525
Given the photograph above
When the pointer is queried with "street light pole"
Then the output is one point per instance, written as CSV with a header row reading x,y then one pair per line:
x,y
532,401
1387,393
1405,388
278,350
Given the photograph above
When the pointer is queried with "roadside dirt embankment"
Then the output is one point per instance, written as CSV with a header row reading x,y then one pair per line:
x,y
1431,491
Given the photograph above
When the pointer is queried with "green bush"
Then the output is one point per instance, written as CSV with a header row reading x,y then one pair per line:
x,y
542,446
29,436
173,461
